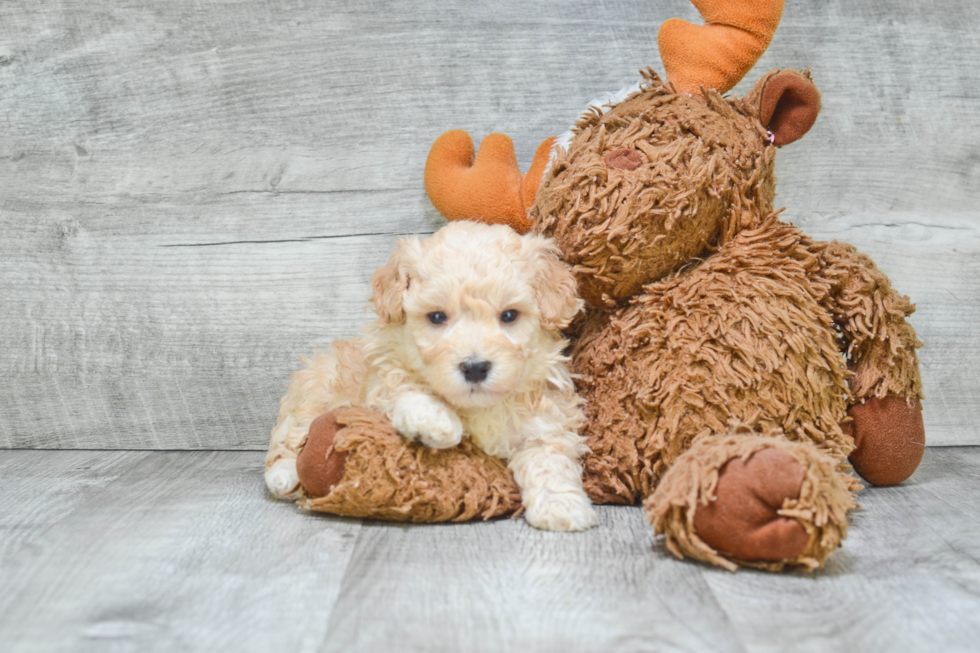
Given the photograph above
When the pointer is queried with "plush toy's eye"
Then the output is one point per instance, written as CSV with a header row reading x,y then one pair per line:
x,y
436,317
509,316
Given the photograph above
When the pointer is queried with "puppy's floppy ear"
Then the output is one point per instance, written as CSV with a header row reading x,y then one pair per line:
x,y
555,287
391,281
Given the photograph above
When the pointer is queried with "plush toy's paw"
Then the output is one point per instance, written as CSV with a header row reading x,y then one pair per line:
x,y
282,479
744,521
366,469
564,511
424,419
889,439
318,466
745,499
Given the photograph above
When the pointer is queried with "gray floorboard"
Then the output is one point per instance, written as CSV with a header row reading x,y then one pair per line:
x,y
182,552
36,496
161,551
506,587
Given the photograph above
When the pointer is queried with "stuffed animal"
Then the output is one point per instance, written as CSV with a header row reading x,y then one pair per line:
x,y
733,369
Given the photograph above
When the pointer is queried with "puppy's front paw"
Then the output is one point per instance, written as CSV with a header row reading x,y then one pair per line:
x,y
565,511
282,479
424,419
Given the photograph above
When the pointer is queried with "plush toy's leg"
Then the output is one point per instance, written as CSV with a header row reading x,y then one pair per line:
x,y
889,439
752,500
744,521
887,414
328,379
361,467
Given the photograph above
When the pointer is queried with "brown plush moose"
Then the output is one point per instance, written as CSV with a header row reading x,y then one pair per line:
x,y
731,366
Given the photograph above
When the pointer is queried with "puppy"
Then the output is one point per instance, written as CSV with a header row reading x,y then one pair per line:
x,y
467,342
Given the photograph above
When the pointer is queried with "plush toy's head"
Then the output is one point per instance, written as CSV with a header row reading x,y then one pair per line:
x,y
662,177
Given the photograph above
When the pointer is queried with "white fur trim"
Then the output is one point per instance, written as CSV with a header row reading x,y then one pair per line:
x,y
603,103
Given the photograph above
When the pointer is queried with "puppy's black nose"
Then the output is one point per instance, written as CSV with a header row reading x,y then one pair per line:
x,y
475,370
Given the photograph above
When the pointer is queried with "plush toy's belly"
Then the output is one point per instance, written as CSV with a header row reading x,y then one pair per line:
x,y
719,346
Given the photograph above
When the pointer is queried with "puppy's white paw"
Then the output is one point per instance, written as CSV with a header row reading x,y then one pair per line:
x,y
282,479
422,418
565,511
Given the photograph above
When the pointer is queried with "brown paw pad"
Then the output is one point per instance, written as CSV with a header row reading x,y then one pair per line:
x,y
318,472
743,521
889,439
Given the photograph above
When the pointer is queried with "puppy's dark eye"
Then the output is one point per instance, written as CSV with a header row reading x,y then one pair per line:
x,y
509,316
436,317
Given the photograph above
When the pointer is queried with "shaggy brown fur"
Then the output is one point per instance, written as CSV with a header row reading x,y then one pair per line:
x,y
871,318
388,478
821,507
708,311
740,337
707,172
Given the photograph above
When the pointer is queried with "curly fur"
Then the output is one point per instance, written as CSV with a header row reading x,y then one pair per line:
x,y
409,369
624,228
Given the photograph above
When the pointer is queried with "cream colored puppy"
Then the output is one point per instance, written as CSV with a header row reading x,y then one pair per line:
x,y
467,342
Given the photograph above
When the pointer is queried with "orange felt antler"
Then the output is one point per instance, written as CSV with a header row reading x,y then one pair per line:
x,y
488,188
719,53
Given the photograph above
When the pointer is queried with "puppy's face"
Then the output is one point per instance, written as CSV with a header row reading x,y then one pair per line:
x,y
478,306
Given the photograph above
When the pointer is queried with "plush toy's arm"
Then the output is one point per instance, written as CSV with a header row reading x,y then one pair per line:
x,y
886,417
488,186
880,343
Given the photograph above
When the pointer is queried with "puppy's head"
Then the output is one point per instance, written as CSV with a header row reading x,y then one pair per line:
x,y
477,309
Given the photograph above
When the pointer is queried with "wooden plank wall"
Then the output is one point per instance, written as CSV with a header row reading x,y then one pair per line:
x,y
192,194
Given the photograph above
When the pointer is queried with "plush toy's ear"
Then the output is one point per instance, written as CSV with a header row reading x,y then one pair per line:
x,y
391,281
555,287
787,103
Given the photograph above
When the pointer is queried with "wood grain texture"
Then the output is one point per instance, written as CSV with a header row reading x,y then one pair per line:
x,y
504,586
40,492
194,194
164,551
906,579
184,551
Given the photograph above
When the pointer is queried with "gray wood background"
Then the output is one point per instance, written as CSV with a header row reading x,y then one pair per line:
x,y
192,194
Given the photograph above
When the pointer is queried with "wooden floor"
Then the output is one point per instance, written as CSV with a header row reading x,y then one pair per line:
x,y
144,551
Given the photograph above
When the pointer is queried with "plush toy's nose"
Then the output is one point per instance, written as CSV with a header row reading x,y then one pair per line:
x,y
475,370
623,159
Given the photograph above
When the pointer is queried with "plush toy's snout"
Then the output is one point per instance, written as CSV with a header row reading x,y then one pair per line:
x,y
624,159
